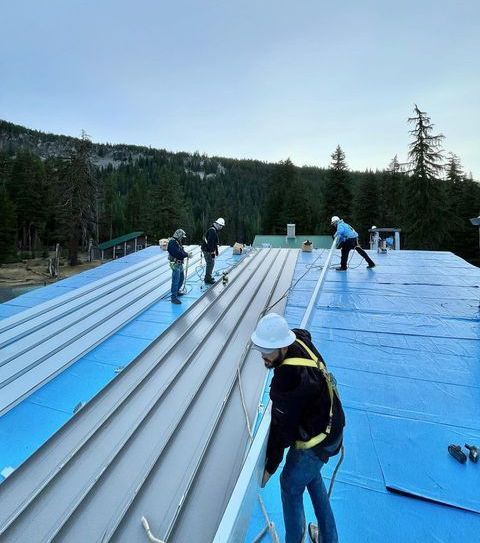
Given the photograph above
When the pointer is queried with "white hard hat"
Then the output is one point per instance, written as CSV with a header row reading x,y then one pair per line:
x,y
272,333
373,227
334,219
220,221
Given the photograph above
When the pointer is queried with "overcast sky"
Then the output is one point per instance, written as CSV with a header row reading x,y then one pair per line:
x,y
263,79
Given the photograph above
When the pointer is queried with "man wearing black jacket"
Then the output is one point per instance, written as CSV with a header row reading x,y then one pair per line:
x,y
176,256
210,248
307,418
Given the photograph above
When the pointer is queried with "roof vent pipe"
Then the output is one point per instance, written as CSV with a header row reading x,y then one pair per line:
x,y
290,230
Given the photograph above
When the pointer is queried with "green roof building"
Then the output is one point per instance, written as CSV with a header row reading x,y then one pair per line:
x,y
121,246
284,242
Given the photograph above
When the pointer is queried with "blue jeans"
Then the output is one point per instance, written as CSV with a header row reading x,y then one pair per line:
x,y
302,470
177,279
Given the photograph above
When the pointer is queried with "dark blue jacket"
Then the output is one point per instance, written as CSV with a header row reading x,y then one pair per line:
x,y
175,250
210,241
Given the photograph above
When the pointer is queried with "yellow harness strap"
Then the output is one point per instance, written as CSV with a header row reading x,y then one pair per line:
x,y
314,362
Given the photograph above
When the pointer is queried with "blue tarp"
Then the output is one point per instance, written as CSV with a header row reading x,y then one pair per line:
x,y
403,341
413,459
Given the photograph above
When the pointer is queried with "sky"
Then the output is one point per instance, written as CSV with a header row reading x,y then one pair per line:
x,y
260,79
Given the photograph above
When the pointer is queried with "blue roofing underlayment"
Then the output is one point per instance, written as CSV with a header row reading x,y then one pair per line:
x,y
29,424
403,341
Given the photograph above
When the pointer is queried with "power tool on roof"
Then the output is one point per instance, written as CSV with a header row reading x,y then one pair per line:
x,y
474,452
457,453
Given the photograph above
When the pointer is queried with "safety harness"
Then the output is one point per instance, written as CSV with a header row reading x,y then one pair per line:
x,y
175,262
205,241
315,362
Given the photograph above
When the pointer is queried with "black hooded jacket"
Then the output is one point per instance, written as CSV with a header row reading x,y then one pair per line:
x,y
210,241
301,406
175,249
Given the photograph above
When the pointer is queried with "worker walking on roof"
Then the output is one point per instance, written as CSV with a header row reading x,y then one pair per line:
x,y
348,240
176,256
307,418
210,248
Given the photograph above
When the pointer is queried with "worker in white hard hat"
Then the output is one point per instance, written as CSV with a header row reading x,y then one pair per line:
x,y
374,238
348,240
307,418
210,248
176,256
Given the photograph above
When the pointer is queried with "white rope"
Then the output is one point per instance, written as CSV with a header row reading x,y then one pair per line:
x,y
150,536
270,525
186,275
260,535
308,312
244,405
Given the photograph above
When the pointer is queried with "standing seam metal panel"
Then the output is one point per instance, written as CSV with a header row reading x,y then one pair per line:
x,y
42,506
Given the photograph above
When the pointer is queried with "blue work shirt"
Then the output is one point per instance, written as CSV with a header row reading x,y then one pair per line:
x,y
345,231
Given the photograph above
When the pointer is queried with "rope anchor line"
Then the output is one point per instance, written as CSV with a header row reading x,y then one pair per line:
x,y
150,536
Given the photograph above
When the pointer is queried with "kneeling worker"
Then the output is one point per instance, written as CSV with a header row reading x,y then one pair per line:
x,y
210,248
176,256
348,240
307,418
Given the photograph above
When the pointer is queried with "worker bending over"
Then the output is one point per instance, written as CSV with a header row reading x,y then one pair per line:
x,y
176,256
210,248
307,418
348,240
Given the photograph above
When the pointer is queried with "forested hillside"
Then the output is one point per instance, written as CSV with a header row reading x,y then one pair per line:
x,y
67,190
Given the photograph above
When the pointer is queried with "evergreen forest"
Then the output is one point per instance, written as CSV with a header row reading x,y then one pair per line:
x,y
57,189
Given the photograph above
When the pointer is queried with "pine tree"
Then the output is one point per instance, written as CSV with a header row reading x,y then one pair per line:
x,y
464,203
298,207
136,207
78,191
365,206
453,169
27,189
426,208
455,179
391,196
113,207
166,211
7,227
337,197
51,231
283,180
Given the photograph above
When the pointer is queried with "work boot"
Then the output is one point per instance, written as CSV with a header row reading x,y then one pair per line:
x,y
372,265
340,269
175,301
210,281
313,532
